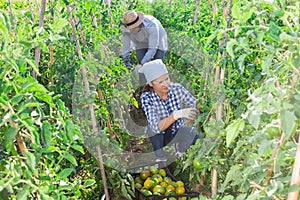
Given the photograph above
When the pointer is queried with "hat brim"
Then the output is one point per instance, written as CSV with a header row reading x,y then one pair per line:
x,y
136,24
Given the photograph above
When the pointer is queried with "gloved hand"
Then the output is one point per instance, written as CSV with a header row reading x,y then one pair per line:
x,y
188,113
137,67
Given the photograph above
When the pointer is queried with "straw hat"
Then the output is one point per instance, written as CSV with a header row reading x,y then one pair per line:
x,y
132,19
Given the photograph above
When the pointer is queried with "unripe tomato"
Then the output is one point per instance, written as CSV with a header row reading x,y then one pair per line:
x,y
197,163
273,131
211,132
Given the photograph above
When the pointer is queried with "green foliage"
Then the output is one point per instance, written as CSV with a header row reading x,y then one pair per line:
x,y
259,47
39,141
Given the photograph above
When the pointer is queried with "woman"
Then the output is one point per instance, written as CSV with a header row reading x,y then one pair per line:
x,y
163,106
147,34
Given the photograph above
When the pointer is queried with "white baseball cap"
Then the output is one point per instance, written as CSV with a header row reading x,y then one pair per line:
x,y
153,70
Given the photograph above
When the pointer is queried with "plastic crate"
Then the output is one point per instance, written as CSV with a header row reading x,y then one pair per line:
x,y
139,195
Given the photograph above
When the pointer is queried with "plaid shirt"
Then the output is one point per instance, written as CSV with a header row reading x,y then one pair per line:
x,y
157,109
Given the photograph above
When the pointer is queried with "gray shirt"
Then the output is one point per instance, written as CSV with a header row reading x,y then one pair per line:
x,y
152,36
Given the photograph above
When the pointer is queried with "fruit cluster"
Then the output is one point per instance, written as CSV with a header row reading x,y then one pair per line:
x,y
157,182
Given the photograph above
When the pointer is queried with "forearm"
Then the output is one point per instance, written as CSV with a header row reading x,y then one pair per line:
x,y
166,122
152,44
149,54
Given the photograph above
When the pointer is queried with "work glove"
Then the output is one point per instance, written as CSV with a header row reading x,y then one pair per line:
x,y
137,67
188,113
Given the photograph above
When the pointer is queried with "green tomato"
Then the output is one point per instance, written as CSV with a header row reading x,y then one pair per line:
x,y
197,163
154,170
273,131
211,132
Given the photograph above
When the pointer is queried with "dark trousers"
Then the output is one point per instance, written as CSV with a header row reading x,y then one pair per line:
x,y
182,139
140,53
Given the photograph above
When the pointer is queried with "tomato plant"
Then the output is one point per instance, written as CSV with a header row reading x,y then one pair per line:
x,y
42,148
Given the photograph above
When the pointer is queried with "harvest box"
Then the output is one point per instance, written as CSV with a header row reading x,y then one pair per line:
x,y
188,195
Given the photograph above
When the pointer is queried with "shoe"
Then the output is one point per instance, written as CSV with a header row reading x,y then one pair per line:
x,y
178,154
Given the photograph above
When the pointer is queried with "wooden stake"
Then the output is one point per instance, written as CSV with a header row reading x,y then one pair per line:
x,y
276,150
91,107
100,94
94,21
51,52
214,183
219,77
296,174
215,12
19,138
196,12
37,48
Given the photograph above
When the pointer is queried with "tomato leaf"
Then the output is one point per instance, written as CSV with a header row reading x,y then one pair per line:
x,y
64,173
229,47
71,158
46,133
10,134
288,121
233,130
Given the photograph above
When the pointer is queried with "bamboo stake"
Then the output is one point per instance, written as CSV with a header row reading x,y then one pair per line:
x,y
51,53
214,184
261,21
196,12
108,2
19,138
14,24
37,48
10,8
276,150
30,9
91,108
215,11
205,84
296,174
101,97
94,21
219,77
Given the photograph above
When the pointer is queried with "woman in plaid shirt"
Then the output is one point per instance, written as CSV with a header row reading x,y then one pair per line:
x,y
164,112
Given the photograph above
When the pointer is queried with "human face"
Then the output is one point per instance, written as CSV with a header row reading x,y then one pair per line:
x,y
136,29
161,84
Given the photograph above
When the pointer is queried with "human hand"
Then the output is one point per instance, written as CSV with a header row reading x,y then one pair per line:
x,y
137,67
188,113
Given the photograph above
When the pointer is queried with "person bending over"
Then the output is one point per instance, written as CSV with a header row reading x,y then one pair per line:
x,y
148,36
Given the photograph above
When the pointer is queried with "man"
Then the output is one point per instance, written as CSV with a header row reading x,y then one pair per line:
x,y
163,106
148,36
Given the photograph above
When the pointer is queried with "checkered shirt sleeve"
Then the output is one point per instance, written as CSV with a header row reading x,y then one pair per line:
x,y
157,109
